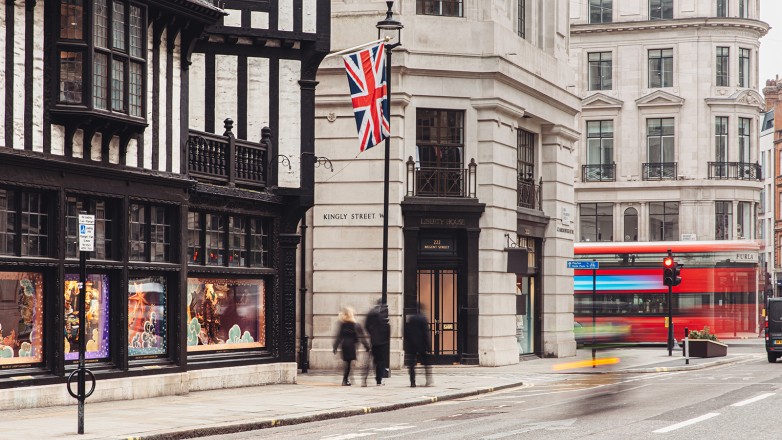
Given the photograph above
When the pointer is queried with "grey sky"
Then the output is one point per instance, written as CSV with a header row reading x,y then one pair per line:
x,y
771,44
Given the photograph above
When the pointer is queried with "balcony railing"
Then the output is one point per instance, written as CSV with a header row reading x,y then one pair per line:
x,y
659,171
735,171
227,160
441,181
529,193
599,173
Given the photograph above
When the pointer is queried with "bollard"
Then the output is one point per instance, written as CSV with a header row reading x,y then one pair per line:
x,y
686,346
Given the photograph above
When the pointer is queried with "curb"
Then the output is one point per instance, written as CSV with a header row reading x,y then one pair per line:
x,y
287,421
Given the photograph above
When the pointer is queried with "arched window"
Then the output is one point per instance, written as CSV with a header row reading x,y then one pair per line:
x,y
631,224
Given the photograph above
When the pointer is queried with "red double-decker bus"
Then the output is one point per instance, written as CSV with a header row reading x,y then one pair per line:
x,y
719,288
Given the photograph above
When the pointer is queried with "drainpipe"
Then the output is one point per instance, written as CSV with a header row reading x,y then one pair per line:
x,y
304,362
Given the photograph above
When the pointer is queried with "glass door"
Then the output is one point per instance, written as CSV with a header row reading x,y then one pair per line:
x,y
437,293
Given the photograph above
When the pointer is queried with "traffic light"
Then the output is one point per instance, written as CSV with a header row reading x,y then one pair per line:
x,y
668,276
677,268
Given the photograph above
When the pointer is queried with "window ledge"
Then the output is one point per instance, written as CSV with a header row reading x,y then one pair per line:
x,y
86,119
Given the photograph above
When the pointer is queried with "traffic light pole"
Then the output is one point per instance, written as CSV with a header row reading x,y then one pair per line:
x,y
670,321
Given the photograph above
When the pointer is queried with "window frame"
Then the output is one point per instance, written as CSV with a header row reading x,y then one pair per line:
x,y
148,229
665,234
745,140
111,214
745,58
598,8
444,138
662,137
665,8
17,236
601,139
521,19
743,8
248,253
722,67
599,66
721,139
722,8
596,208
91,51
427,7
662,60
723,220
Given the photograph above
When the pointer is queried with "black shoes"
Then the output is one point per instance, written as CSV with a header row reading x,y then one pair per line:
x,y
346,383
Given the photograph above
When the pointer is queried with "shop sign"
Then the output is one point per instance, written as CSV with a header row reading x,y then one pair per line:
x,y
437,245
446,222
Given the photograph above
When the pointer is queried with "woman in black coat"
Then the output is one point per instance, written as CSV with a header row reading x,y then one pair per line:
x,y
349,335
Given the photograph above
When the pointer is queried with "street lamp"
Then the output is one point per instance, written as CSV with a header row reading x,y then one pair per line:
x,y
391,28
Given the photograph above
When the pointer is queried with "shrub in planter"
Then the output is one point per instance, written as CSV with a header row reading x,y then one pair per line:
x,y
703,343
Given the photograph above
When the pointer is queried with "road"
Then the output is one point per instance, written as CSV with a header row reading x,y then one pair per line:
x,y
734,401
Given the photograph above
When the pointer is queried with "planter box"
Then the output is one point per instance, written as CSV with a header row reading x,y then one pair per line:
x,y
706,348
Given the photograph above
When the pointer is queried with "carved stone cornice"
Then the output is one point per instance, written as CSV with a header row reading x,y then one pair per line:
x,y
682,23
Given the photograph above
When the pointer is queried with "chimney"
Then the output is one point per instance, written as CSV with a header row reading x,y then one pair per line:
x,y
773,95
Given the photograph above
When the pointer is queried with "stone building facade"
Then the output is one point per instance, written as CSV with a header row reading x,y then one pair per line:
x,y
483,124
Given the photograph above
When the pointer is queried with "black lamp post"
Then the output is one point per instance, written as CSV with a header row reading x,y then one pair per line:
x,y
392,29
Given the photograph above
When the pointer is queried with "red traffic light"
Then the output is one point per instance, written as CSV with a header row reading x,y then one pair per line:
x,y
668,262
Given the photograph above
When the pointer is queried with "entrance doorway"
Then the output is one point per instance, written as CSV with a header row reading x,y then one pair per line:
x,y
438,294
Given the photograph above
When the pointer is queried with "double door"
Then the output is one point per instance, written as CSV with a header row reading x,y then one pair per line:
x,y
438,294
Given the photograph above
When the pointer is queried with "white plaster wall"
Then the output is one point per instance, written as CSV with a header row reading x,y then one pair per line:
x,y
2,75
259,20
257,97
95,150
233,19
58,140
162,120
114,150
176,107
290,112
150,120
309,16
225,90
19,78
285,15
78,143
37,81
131,153
197,91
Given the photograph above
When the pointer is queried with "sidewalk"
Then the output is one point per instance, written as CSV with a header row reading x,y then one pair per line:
x,y
319,396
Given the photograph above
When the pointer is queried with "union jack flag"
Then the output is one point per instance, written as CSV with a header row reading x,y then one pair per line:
x,y
366,71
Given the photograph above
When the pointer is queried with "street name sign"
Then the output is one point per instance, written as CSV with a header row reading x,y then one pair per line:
x,y
576,264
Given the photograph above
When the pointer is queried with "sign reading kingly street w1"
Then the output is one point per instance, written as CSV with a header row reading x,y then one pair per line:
x,y
576,264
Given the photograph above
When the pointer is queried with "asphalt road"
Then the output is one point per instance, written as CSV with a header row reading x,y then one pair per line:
x,y
734,401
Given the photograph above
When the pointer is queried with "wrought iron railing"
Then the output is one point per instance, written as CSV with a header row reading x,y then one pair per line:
x,y
441,181
605,172
529,193
659,171
735,171
225,159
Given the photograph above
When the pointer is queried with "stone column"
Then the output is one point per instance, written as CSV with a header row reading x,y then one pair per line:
x,y
557,162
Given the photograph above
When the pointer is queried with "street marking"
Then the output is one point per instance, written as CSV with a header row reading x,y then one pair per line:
x,y
686,423
753,400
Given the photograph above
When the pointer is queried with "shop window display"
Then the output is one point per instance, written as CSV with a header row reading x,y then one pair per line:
x,y
21,318
225,314
147,316
96,316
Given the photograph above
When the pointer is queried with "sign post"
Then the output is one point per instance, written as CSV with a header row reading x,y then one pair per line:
x,y
594,265
86,245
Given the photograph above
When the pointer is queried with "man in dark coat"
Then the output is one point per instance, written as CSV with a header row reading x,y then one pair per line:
x,y
417,344
376,324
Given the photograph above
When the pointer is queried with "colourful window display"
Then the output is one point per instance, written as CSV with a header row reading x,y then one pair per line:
x,y
96,316
225,314
21,318
147,316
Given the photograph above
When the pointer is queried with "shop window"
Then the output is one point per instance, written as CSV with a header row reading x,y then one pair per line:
x,y
150,233
147,329
24,223
105,226
21,319
96,297
101,71
225,314
227,240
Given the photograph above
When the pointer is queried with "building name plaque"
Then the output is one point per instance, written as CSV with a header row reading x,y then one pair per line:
x,y
443,222
436,245
328,216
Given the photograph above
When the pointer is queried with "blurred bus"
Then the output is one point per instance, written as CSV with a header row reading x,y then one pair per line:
x,y
719,288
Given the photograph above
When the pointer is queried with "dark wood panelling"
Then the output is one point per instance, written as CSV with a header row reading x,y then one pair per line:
x,y
157,31
209,93
171,42
241,97
297,15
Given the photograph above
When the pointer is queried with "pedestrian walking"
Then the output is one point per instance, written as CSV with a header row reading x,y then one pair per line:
x,y
417,344
379,330
349,335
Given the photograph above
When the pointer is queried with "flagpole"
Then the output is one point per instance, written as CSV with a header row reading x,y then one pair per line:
x,y
386,166
355,48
